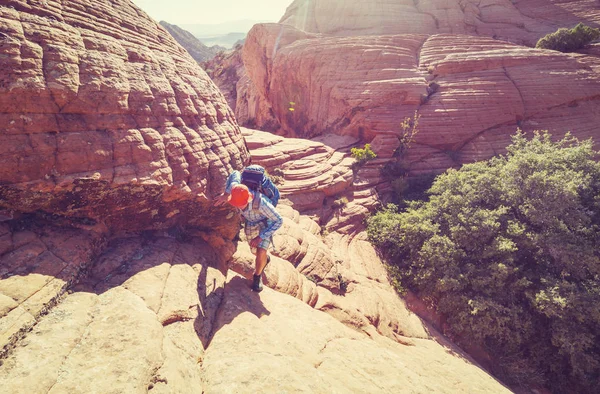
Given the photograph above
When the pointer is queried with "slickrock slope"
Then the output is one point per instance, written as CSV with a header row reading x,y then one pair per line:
x,y
194,46
153,315
520,21
101,112
470,92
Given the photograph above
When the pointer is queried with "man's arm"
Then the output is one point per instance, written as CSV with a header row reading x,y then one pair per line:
x,y
235,178
274,219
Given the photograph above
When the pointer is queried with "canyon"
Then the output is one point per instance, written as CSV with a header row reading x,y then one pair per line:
x,y
470,75
118,273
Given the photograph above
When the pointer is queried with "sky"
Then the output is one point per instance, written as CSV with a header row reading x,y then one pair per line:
x,y
180,12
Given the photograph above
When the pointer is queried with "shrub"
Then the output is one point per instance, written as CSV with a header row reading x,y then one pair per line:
x,y
507,251
569,40
362,155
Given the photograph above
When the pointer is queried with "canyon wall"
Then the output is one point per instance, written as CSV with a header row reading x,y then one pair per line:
x,y
470,91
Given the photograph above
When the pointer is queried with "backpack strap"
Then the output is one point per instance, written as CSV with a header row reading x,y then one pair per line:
x,y
256,201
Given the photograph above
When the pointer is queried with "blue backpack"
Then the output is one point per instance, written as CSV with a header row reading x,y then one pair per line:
x,y
255,178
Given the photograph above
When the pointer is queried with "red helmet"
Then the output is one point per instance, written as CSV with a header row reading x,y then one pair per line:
x,y
240,196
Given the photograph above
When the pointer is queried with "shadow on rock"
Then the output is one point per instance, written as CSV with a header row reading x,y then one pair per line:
x,y
175,279
237,299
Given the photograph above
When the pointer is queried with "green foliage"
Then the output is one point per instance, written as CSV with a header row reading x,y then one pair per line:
x,y
508,251
362,155
569,40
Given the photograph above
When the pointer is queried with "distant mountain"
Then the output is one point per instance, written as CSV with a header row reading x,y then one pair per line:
x,y
226,34
220,29
199,51
228,40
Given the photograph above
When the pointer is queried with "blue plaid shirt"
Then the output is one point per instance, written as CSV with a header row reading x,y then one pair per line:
x,y
265,212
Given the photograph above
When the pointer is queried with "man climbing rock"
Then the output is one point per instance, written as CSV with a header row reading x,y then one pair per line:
x,y
259,213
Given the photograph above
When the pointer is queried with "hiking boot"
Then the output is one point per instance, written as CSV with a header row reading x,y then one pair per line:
x,y
257,285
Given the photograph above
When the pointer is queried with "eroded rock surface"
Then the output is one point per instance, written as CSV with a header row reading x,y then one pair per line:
x,y
470,93
103,111
111,128
139,321
154,315
521,21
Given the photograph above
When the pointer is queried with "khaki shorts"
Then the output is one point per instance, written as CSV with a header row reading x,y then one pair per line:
x,y
252,231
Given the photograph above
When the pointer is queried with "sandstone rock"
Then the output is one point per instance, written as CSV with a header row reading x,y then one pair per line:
x,y
269,342
253,106
225,69
120,338
342,276
107,119
154,315
518,21
140,322
48,345
308,171
469,93
35,272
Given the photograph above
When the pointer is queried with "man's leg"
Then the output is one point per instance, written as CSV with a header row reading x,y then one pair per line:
x,y
261,261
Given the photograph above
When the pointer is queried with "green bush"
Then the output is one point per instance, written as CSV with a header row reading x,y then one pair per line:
x,y
362,155
569,40
508,251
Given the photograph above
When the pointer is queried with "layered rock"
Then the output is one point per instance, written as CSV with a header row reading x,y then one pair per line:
x,y
36,269
139,132
523,21
225,70
107,119
199,51
469,93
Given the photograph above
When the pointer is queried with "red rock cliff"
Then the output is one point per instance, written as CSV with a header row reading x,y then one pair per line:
x,y
471,90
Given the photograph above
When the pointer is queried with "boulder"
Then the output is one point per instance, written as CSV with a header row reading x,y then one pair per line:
x,y
107,120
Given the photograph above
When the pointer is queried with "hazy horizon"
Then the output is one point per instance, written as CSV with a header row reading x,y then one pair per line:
x,y
206,12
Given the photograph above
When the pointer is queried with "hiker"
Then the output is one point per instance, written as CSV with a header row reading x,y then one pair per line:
x,y
260,216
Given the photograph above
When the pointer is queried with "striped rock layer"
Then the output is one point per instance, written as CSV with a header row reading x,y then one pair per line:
x,y
105,118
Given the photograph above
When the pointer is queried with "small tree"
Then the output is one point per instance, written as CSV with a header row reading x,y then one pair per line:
x,y
569,40
362,155
410,129
395,171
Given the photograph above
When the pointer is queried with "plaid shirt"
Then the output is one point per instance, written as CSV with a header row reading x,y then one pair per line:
x,y
265,212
